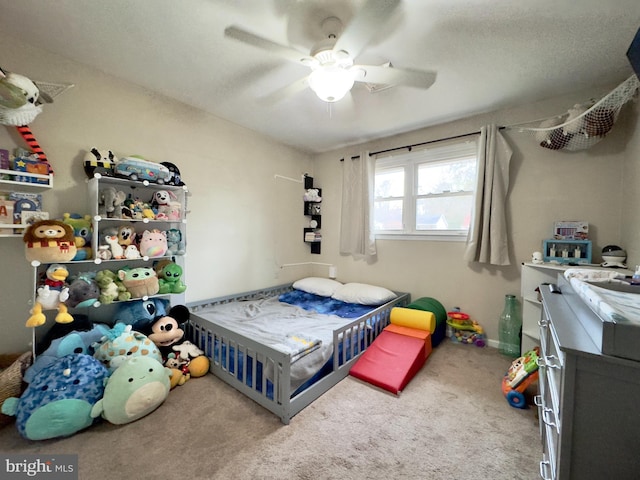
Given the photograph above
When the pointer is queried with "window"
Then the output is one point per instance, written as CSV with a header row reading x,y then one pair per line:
x,y
427,192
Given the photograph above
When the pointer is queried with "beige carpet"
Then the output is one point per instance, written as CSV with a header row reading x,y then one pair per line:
x,y
451,422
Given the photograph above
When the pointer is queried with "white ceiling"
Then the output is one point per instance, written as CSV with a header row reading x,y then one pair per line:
x,y
488,54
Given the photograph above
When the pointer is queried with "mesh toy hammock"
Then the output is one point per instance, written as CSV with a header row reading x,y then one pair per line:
x,y
584,125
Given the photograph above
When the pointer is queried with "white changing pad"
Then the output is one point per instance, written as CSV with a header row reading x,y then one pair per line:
x,y
612,306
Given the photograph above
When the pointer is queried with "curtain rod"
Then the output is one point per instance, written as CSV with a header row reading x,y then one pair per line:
x,y
409,147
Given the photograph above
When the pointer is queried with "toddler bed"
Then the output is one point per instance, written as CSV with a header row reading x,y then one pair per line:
x,y
274,346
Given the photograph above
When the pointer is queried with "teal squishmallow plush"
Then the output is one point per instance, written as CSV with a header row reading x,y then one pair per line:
x,y
137,387
59,399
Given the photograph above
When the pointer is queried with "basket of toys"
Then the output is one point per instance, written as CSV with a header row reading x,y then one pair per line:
x,y
12,368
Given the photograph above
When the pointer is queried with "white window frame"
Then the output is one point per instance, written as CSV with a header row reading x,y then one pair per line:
x,y
410,161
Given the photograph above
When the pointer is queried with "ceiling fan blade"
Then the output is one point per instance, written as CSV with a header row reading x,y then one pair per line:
x,y
284,92
364,25
394,76
236,33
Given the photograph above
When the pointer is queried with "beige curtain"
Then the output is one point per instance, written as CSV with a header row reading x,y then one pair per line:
x,y
356,232
487,241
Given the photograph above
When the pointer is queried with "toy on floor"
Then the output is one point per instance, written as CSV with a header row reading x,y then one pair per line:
x,y
135,389
429,304
522,373
59,400
464,330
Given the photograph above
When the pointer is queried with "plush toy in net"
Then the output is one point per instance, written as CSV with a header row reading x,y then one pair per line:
x,y
583,125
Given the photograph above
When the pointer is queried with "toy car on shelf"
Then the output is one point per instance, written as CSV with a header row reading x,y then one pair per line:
x,y
464,330
522,373
138,169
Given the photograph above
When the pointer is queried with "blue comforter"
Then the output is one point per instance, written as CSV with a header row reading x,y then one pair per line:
x,y
325,305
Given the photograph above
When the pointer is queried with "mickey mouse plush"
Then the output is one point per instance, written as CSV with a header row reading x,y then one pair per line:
x,y
183,357
166,330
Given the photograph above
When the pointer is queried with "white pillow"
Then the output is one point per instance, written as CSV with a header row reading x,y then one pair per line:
x,y
324,287
363,294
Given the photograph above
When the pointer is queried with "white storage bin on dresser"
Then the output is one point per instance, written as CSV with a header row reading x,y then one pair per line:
x,y
588,402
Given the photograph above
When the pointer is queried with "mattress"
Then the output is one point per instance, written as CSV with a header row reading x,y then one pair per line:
x,y
307,336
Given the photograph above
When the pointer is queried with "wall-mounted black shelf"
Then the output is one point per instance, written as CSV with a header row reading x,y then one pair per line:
x,y
313,209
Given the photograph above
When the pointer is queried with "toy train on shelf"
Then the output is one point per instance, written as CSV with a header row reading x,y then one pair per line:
x,y
104,162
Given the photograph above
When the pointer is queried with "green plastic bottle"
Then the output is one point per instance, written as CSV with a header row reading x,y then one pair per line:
x,y
510,327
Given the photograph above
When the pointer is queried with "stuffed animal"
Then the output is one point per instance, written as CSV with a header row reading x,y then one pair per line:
x,y
84,291
135,389
312,195
141,282
19,98
141,313
197,364
59,400
162,197
74,342
99,161
121,343
131,252
49,241
111,202
169,277
575,123
153,243
175,244
111,288
50,296
135,208
599,121
83,231
126,235
166,330
176,178
117,252
552,138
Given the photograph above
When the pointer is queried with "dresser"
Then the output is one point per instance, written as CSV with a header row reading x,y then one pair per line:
x,y
589,403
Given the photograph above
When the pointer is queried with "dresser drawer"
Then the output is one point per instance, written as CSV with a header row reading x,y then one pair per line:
x,y
550,364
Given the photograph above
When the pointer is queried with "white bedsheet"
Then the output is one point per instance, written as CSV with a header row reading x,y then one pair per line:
x,y
274,323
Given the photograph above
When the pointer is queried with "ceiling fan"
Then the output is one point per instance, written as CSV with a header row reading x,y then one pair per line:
x,y
332,60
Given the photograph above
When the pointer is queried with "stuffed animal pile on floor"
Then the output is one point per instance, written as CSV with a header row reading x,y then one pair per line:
x,y
84,371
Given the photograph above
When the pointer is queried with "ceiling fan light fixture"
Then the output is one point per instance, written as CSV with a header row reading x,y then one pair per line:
x,y
330,82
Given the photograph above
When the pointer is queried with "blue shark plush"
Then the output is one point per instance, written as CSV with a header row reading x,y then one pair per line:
x,y
72,342
59,399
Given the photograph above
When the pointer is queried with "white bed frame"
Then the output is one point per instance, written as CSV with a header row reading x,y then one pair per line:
x,y
205,334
